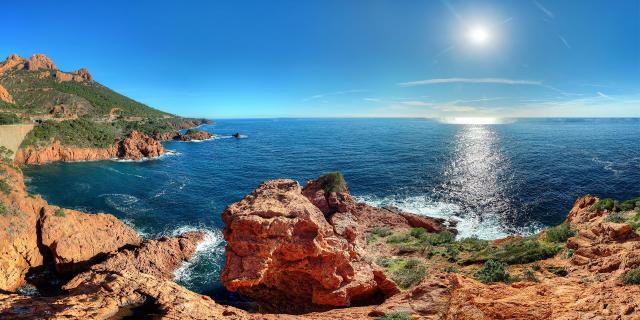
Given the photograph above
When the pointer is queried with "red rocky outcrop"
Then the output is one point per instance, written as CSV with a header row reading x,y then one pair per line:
x,y
138,146
284,253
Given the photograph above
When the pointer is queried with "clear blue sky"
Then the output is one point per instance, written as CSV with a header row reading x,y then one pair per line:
x,y
346,58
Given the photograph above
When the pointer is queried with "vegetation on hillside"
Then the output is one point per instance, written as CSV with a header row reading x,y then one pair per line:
x,y
80,132
8,118
406,273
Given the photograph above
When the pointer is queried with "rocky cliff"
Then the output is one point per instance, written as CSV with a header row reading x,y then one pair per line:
x,y
136,146
314,253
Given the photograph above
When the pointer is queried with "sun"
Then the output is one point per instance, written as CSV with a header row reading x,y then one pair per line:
x,y
479,35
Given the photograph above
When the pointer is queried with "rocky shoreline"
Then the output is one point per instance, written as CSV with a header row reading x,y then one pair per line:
x,y
312,252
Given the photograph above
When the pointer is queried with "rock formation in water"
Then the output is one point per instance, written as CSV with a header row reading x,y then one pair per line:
x,y
193,134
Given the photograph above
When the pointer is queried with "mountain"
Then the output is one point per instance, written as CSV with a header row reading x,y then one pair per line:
x,y
36,87
73,109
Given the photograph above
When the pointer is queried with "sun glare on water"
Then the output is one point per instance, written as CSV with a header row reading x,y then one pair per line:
x,y
473,120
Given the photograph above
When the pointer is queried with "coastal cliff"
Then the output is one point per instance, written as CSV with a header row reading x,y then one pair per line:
x,y
136,146
312,252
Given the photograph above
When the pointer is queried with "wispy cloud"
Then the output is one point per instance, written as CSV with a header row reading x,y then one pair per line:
x,y
336,93
604,95
543,9
372,99
416,103
564,41
469,80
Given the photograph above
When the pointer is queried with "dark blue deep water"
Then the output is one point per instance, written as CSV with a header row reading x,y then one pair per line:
x,y
494,179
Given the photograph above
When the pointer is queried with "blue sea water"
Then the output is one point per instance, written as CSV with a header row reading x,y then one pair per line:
x,y
494,180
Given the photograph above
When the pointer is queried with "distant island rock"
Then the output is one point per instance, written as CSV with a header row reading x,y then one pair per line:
x,y
193,134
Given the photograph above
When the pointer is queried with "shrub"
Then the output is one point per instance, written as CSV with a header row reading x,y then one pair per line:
x,y
450,269
404,272
3,209
517,251
4,186
472,244
632,277
635,221
604,204
381,231
492,271
615,217
8,118
333,182
60,213
529,275
559,234
630,204
396,316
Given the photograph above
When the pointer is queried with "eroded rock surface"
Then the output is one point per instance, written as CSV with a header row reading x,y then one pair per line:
x,y
196,135
284,253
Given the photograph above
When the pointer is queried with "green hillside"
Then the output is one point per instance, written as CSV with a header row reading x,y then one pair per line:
x,y
72,107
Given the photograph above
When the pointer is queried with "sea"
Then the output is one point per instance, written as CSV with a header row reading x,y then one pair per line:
x,y
494,180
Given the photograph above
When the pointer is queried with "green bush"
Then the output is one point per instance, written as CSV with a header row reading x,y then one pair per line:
x,y
8,118
632,277
3,209
80,132
492,271
4,186
472,244
396,316
517,251
630,204
635,221
333,182
404,272
604,204
60,213
560,233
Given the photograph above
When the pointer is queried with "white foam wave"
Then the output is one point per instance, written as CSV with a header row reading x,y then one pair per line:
x,y
123,173
211,249
124,202
487,227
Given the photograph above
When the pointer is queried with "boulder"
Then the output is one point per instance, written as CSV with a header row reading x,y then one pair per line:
x,y
282,252
5,96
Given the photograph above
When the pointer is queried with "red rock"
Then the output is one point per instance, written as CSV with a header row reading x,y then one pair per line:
x,y
282,252
5,96
138,146
40,61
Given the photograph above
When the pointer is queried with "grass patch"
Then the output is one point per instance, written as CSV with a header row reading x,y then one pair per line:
x,y
632,277
559,234
472,244
333,182
517,251
377,233
492,271
529,275
396,316
60,213
3,209
404,272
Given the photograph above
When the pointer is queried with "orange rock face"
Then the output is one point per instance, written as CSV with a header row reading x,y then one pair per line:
x,y
77,239
40,61
283,252
136,146
195,135
5,96
57,152
35,229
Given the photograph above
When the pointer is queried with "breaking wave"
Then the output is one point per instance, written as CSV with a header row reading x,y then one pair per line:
x,y
204,267
468,225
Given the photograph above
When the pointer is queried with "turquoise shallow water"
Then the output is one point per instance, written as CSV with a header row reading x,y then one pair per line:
x,y
494,179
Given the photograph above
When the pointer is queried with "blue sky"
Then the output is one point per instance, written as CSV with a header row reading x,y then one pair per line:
x,y
346,58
